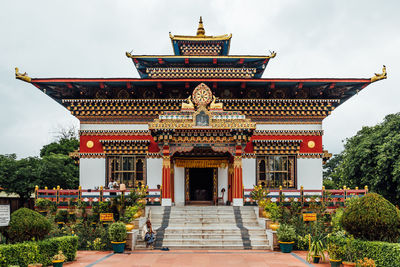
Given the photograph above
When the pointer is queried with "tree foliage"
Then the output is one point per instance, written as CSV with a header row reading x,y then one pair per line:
x,y
372,158
19,176
55,167
64,146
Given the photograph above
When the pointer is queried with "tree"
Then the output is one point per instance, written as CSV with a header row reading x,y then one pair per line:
x,y
372,157
19,176
63,146
58,169
55,167
331,179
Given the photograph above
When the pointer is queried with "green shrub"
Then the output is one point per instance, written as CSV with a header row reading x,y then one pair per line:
x,y
88,234
286,233
43,204
117,232
302,242
26,224
373,218
22,254
336,220
384,254
62,216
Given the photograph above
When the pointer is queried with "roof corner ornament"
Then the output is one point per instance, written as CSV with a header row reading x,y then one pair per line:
x,y
22,76
272,54
189,105
128,54
379,76
200,29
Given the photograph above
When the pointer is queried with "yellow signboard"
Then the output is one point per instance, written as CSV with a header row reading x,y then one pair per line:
x,y
106,217
309,217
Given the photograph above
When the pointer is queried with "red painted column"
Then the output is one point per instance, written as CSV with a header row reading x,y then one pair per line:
x,y
166,178
237,185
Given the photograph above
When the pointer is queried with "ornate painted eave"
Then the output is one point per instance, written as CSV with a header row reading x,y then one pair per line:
x,y
184,64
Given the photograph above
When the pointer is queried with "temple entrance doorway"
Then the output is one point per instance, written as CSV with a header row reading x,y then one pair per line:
x,y
200,185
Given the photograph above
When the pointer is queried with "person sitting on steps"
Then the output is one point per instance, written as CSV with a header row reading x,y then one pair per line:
x,y
148,234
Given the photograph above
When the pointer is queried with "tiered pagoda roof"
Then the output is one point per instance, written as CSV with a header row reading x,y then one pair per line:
x,y
165,81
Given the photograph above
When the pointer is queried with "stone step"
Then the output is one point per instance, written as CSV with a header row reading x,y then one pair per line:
x,y
211,231
211,236
190,241
207,227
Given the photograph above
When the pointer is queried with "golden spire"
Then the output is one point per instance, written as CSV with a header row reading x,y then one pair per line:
x,y
200,29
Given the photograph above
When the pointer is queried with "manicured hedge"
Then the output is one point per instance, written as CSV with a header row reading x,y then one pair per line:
x,y
383,253
25,253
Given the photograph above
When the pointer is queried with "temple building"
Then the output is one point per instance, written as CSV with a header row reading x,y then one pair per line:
x,y
201,123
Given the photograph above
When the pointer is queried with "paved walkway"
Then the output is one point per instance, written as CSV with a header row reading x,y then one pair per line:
x,y
177,258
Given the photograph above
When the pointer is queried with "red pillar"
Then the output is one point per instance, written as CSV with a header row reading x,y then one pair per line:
x,y
166,178
237,185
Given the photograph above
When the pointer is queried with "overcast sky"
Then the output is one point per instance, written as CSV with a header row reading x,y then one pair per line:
x,y
75,38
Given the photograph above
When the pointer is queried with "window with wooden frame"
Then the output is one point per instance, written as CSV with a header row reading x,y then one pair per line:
x,y
128,170
274,171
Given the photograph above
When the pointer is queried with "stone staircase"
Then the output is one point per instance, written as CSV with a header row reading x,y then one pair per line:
x,y
207,227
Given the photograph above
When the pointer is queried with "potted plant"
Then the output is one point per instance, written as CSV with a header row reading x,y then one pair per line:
x,y
58,259
317,248
117,235
350,254
335,253
43,205
275,215
286,235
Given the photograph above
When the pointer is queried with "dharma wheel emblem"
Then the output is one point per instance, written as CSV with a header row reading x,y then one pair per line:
x,y
202,95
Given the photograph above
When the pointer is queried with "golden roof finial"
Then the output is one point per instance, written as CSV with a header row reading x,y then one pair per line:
x,y
200,29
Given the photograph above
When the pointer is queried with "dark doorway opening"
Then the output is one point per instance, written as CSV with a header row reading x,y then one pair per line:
x,y
201,185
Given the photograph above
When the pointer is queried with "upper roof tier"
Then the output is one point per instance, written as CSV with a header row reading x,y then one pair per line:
x,y
201,44
234,67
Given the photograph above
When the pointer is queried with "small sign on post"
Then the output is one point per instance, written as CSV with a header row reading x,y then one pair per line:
x,y
4,215
309,217
106,217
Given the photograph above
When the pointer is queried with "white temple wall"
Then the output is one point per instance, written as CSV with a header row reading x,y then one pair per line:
x,y
299,127
249,173
154,172
223,182
114,127
179,186
309,173
92,172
